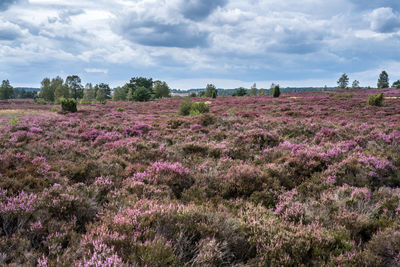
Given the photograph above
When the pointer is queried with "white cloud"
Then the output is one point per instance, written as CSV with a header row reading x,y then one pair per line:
x,y
105,71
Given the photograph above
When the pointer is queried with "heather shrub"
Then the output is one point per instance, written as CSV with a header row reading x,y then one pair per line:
x,y
241,181
187,107
68,104
193,148
375,100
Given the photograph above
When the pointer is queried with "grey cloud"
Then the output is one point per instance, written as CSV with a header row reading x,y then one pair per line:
x,y
4,4
372,4
200,9
154,33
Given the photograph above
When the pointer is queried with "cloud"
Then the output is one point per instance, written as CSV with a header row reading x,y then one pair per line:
x,y
105,71
9,31
200,9
4,4
384,20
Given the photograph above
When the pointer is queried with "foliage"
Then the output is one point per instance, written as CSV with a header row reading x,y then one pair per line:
x,y
355,84
396,84
240,92
74,86
311,179
375,100
68,104
46,91
101,93
187,107
276,91
6,90
383,81
141,94
343,81
120,93
161,89
89,92
211,91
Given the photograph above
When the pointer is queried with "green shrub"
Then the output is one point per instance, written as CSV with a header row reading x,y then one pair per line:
x,y
187,107
276,91
120,109
40,102
85,102
13,121
375,100
141,94
184,107
54,109
192,95
68,104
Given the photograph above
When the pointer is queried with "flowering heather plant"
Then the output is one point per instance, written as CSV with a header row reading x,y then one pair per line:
x,y
305,179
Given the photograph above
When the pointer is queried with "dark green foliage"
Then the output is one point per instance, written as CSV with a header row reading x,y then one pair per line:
x,y
200,107
68,104
137,82
120,93
47,91
141,94
383,81
184,107
192,95
161,89
75,88
375,100
240,92
276,91
211,91
6,90
396,84
343,81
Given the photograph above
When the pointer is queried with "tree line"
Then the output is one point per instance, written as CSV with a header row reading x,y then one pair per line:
x,y
383,81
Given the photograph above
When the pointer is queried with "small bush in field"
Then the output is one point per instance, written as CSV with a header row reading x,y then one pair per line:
x,y
187,107
184,107
120,109
68,104
13,121
375,100
54,109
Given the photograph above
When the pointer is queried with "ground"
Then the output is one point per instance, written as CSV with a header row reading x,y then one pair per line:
x,y
306,178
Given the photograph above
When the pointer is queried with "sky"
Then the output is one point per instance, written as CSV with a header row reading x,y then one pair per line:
x,y
190,43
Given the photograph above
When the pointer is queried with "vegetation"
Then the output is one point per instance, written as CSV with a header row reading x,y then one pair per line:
x,y
343,81
68,104
276,91
301,180
6,90
383,81
211,91
375,100
240,92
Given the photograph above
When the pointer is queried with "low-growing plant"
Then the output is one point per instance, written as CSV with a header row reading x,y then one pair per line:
x,y
120,109
68,104
375,100
54,109
13,121
187,107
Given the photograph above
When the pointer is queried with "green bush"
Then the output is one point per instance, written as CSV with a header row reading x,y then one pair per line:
x,y
68,104
54,109
184,107
187,107
120,109
85,102
375,100
141,94
40,102
276,91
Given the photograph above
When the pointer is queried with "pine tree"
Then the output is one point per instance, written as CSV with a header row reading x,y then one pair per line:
x,y
383,81
343,81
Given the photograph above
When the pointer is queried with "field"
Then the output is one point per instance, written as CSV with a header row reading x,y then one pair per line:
x,y
304,179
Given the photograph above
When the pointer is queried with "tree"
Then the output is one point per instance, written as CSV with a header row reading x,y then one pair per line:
x,y
46,90
262,92
141,94
120,93
276,91
6,90
356,84
60,89
73,83
383,81
253,90
211,91
106,88
343,81
89,92
161,89
396,84
137,82
129,95
240,92
101,93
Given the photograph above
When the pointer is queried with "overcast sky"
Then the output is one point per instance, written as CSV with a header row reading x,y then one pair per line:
x,y
190,43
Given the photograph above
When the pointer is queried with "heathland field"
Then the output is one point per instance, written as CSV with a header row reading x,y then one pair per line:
x,y
306,179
